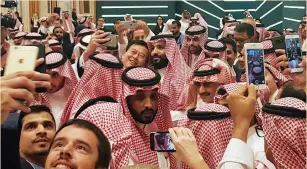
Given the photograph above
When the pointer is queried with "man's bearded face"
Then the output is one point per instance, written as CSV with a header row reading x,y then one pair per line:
x,y
143,105
66,15
158,56
59,33
304,30
194,45
186,14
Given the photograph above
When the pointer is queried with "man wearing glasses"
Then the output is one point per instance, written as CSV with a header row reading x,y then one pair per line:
x,y
244,33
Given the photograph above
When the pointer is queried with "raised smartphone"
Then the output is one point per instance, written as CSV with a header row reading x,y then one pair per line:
x,y
161,142
293,51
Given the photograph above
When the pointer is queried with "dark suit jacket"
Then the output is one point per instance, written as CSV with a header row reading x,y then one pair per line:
x,y
238,72
25,164
157,29
104,29
10,143
67,45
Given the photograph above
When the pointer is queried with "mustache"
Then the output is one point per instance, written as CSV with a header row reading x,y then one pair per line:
x,y
205,94
147,110
41,139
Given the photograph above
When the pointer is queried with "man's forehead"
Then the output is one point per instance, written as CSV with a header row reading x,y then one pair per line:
x,y
37,117
81,134
160,42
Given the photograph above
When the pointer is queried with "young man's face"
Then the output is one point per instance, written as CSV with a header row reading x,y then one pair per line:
x,y
73,147
59,33
241,38
206,90
100,22
138,34
175,29
57,81
158,57
66,15
186,15
57,23
137,55
38,130
194,45
231,55
144,105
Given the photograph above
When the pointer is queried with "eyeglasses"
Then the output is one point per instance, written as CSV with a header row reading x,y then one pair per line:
x,y
259,131
242,41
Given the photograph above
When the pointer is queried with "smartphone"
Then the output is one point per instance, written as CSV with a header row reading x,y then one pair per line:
x,y
161,142
293,52
42,67
112,44
254,63
129,24
21,58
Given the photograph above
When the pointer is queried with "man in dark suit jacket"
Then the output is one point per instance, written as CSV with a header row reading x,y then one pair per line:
x,y
100,25
64,38
37,130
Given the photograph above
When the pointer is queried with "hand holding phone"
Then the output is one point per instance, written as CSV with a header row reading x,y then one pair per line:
x,y
161,142
255,65
112,44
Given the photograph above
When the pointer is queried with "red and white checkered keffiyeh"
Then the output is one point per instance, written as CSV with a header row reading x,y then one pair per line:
x,y
300,31
100,78
19,37
82,33
269,52
223,91
33,38
203,38
201,21
280,79
162,121
223,77
67,23
87,23
229,28
64,69
271,34
213,47
55,45
109,117
212,135
262,32
286,136
176,73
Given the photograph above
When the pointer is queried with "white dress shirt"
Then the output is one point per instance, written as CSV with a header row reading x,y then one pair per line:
x,y
238,155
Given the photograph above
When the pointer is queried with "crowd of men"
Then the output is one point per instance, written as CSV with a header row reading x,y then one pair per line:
x,y
101,104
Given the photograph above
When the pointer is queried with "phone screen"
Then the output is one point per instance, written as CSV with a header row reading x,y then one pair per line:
x,y
255,63
161,142
294,54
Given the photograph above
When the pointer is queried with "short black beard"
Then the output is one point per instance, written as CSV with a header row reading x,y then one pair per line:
x,y
136,116
159,63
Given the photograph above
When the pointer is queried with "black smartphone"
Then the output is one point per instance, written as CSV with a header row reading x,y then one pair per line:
x,y
161,142
279,42
42,67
